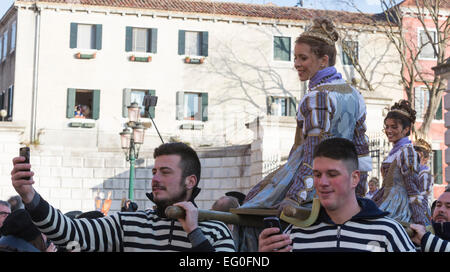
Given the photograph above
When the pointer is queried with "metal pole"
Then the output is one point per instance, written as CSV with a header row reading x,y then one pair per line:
x,y
132,160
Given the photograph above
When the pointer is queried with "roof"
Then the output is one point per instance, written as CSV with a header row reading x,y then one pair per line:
x,y
222,8
409,3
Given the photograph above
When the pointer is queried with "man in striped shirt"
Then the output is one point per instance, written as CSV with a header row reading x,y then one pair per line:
x,y
176,174
440,240
345,222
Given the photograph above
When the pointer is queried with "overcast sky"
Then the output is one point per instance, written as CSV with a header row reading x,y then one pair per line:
x,y
370,6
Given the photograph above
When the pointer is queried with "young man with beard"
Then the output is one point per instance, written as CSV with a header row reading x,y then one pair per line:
x,y
176,174
439,241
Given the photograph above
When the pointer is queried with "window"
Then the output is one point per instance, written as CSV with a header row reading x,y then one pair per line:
x,y
192,106
5,45
349,51
281,106
13,36
137,95
192,43
282,48
426,46
85,36
82,103
437,166
421,99
6,102
141,39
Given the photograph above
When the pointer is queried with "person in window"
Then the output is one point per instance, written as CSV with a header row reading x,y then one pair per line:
x,y
77,113
331,108
86,111
403,194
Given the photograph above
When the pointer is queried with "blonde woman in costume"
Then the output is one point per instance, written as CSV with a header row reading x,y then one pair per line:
x,y
331,108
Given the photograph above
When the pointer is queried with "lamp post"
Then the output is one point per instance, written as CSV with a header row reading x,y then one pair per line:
x,y
132,137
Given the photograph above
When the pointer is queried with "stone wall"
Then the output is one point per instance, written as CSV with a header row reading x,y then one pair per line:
x,y
71,179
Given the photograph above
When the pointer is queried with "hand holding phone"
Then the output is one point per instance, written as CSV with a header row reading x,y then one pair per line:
x,y
272,222
267,243
25,152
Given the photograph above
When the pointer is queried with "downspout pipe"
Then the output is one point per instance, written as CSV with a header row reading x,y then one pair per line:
x,y
35,73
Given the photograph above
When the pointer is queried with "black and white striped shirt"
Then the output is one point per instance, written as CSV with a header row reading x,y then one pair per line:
x,y
432,243
369,230
125,231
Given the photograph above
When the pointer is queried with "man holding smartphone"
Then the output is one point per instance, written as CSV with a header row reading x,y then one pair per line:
x,y
345,222
176,174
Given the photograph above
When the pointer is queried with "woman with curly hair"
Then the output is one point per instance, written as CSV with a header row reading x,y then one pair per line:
x,y
402,194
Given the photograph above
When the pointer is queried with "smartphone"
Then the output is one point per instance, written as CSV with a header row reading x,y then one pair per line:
x,y
272,222
25,152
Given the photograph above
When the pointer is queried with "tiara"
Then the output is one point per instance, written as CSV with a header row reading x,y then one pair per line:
x,y
405,113
423,144
318,35
318,32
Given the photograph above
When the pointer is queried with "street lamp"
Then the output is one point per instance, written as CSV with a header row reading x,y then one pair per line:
x,y
132,137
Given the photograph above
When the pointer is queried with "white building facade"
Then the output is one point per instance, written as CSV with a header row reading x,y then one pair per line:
x,y
223,80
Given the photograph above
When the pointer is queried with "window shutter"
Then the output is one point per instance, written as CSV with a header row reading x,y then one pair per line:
x,y
418,102
181,42
292,107
2,97
98,37
70,102
204,106
204,43
180,105
128,39
438,115
153,40
10,101
73,35
96,104
269,101
126,101
437,165
282,48
152,109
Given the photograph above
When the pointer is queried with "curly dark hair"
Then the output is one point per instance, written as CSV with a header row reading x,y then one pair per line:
x,y
403,113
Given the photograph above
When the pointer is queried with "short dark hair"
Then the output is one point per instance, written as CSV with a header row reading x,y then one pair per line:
x,y
189,163
338,149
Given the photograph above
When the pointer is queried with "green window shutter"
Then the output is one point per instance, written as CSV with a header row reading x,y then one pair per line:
x,y
181,42
438,115
73,35
10,100
292,107
70,102
153,40
126,101
98,37
180,105
152,109
128,39
96,104
204,43
282,48
204,106
437,165
269,101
